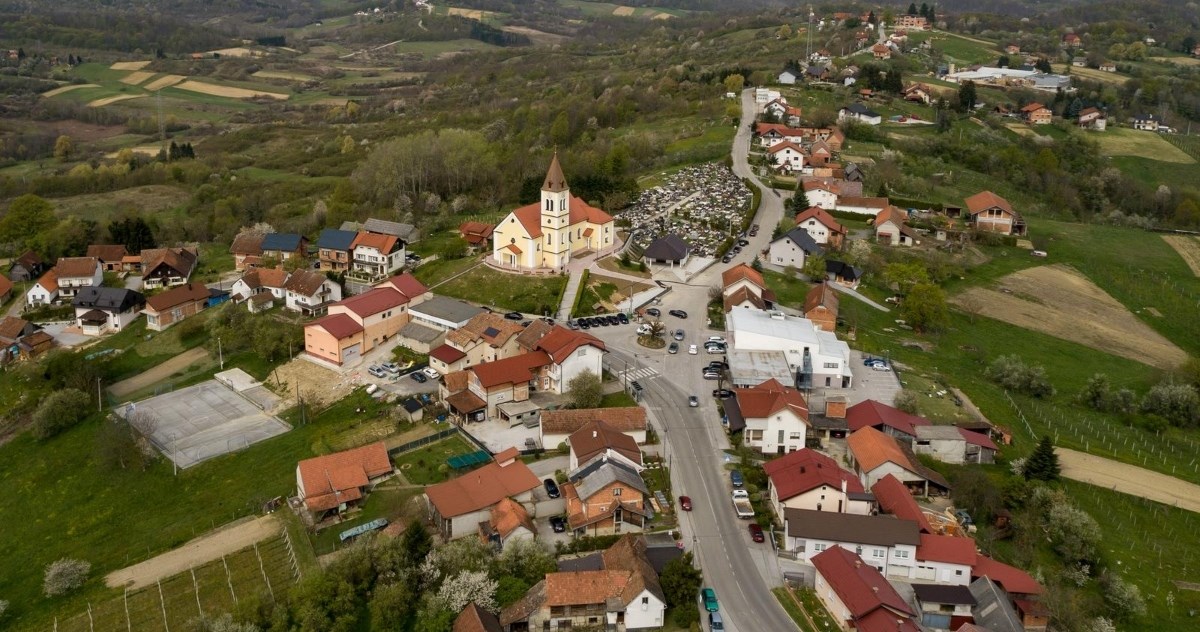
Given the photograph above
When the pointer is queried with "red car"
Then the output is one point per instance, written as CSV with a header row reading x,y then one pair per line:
x,y
685,503
756,533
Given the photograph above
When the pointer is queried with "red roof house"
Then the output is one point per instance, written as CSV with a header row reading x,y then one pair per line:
x,y
858,595
807,479
335,480
887,419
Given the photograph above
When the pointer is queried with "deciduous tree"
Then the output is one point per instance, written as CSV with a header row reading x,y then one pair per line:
x,y
60,411
734,83
680,582
585,390
64,575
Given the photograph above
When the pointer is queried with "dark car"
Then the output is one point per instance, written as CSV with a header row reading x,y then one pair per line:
x,y
678,335
653,311
515,316
743,242
718,365
551,488
735,477
418,377
558,524
722,393
583,323
548,320
685,503
756,533
678,313
673,348
622,318
726,258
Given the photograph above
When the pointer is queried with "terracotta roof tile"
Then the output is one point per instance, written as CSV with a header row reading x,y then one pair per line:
x,y
871,448
481,488
456,381
108,253
476,619
743,295
11,327
6,286
373,301
984,200
330,478
978,438
514,370
822,216
509,514
948,549
768,398
597,436
406,284
740,272
265,277
501,329
383,243
893,497
804,470
247,244
561,342
860,587
821,295
873,413
49,280
530,215
534,332
180,260
338,325
176,296
447,354
76,267
1013,579
305,282
465,402
476,233
567,421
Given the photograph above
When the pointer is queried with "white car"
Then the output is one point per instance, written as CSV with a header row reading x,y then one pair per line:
x,y
643,329
880,367
1038,253
431,372
716,339
693,350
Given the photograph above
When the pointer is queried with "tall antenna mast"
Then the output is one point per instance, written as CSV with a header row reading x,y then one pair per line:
x,y
809,28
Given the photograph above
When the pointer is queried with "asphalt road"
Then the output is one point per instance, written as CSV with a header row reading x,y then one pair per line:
x,y
734,566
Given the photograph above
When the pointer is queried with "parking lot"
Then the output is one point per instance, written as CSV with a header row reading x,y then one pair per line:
x,y
202,421
869,383
703,204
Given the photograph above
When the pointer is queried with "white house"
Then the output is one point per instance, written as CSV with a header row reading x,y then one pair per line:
x,y
571,353
776,417
807,479
558,425
102,310
78,272
508,522
375,256
787,155
820,193
763,96
945,559
458,505
793,249
891,229
944,607
789,76
309,291
821,226
1147,122
776,108
861,113
259,281
44,291
801,342
887,544
858,596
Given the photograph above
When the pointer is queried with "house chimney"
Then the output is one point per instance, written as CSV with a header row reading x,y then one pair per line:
x,y
875,588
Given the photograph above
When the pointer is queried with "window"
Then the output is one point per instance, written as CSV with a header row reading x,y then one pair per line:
x,y
958,573
818,547
831,365
901,555
878,552
581,352
645,601
794,435
616,491
858,550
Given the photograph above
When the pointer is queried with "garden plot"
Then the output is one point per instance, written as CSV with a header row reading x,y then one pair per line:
x,y
164,81
1059,301
129,65
227,91
136,77
703,204
1188,248
99,103
203,421
57,91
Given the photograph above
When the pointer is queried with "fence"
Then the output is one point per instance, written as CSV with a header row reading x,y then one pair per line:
x,y
423,441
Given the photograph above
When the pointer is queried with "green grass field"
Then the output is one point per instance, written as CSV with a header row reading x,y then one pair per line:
x,y
423,466
1120,141
963,50
493,288
263,569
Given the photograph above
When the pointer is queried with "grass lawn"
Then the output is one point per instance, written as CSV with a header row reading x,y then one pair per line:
x,y
799,602
964,50
113,517
617,400
936,408
143,349
789,291
1155,172
386,501
439,270
499,290
1119,141
423,466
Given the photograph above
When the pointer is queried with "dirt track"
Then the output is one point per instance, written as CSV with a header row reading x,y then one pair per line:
x,y
1129,479
158,373
201,550
1188,248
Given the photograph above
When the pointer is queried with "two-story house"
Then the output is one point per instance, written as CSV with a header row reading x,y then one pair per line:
x,y
792,249
992,213
375,256
787,156
102,310
623,595
335,249
807,479
44,291
743,286
571,353
606,495
284,246
887,544
309,292
256,281
353,326
110,256
167,267
491,384
247,250
599,437
557,426
75,273
822,227
859,597
333,483
459,505
486,337
776,417
1037,114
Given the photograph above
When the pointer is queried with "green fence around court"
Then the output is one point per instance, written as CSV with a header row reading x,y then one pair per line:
x,y
460,461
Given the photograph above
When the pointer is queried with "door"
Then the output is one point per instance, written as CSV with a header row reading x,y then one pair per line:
x,y
352,354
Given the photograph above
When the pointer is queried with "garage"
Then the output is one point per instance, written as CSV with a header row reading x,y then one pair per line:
x,y
352,354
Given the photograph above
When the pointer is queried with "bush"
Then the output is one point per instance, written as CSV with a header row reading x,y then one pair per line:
x,y
64,575
1013,374
906,400
60,411
1124,600
1179,404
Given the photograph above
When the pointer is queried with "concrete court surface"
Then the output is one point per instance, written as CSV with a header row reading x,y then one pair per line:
x,y
204,421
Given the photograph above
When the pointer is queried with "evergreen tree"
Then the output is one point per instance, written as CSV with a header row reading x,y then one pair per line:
x,y
173,152
924,12
133,233
1043,65
871,19
799,202
912,8
1003,62
966,96
1075,108
1042,464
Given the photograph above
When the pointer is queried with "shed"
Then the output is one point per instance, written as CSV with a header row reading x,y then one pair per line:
x,y
670,248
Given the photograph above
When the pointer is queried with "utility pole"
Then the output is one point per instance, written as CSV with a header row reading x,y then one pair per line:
x,y
809,28
221,353
99,397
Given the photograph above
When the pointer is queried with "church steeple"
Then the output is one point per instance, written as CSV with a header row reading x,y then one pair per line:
x,y
555,182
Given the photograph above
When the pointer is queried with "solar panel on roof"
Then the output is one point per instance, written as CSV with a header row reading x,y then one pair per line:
x,y
491,332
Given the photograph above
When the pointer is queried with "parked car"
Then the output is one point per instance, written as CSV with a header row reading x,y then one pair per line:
x,y
571,324
377,371
756,533
391,367
743,242
735,477
431,373
880,367
678,335
715,623
583,323
712,374
709,597
722,393
643,329
622,318
1039,253
515,316
674,348
685,503
716,339
692,350
678,313
654,311
717,364
418,377
551,488
727,258
558,524
693,401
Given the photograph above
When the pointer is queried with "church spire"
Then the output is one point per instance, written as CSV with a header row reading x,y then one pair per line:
x,y
556,182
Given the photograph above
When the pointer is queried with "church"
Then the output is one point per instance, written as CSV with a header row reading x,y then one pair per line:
x,y
545,235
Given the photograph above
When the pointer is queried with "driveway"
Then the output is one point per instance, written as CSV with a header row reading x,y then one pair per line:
x,y
66,338
159,373
206,548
